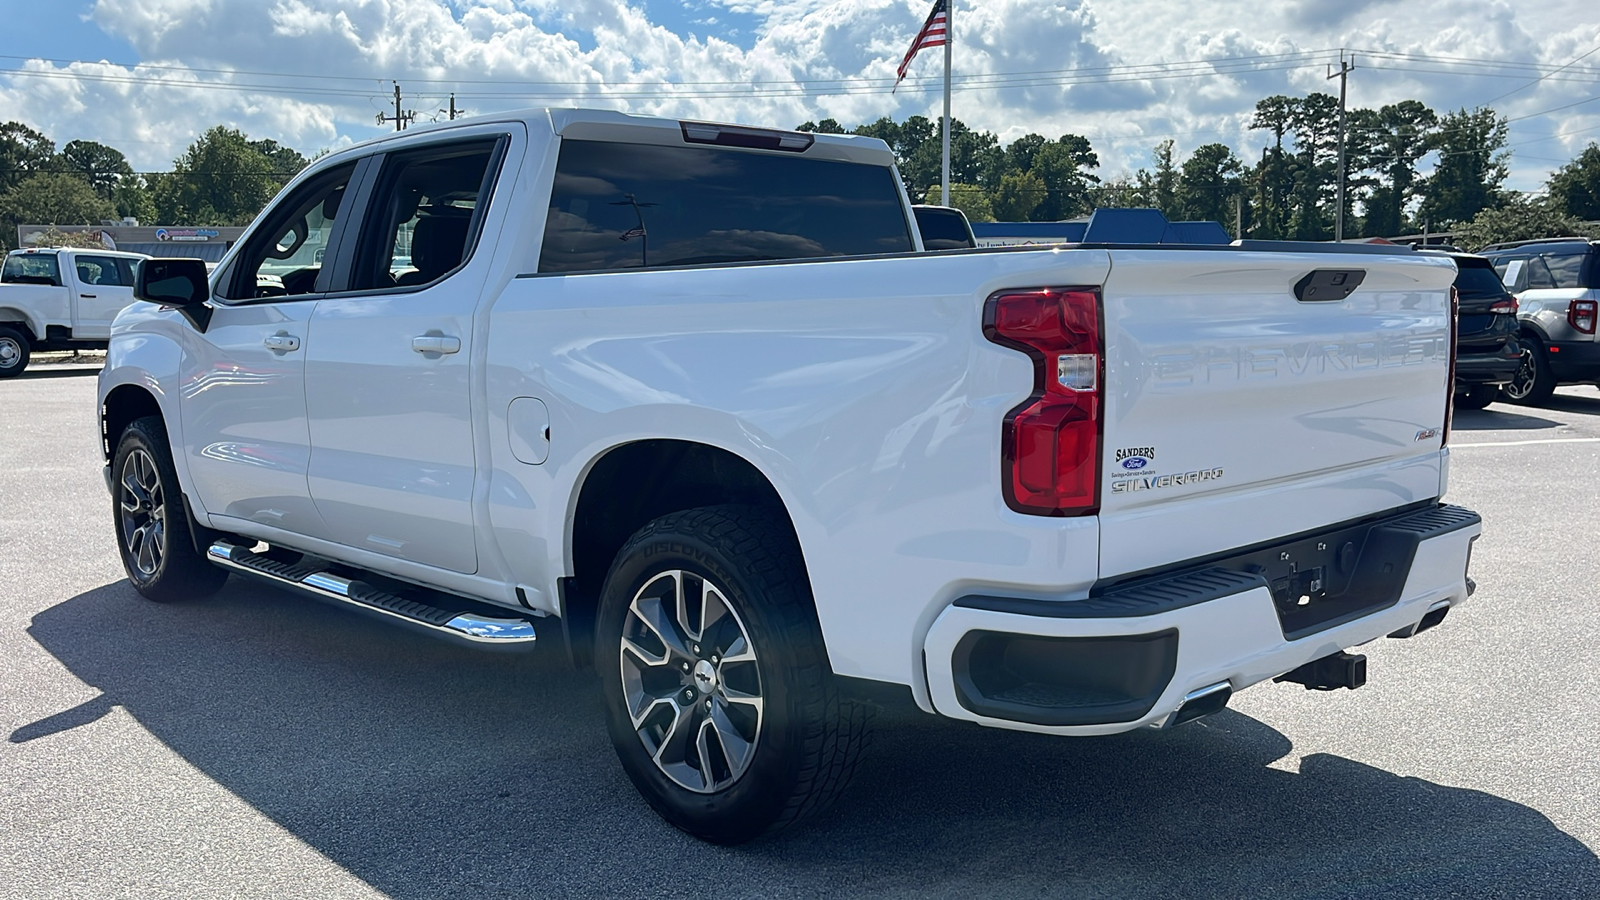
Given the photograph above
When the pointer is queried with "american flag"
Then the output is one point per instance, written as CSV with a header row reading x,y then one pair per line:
x,y
935,33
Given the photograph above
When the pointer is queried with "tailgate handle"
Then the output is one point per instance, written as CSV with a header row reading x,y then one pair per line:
x,y
1328,284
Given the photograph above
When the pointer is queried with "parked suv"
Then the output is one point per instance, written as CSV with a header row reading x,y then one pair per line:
x,y
1488,354
1557,285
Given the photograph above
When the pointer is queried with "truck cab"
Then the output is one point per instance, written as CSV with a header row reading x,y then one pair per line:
x,y
60,299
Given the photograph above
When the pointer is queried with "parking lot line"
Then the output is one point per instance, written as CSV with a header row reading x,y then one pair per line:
x,y
1587,440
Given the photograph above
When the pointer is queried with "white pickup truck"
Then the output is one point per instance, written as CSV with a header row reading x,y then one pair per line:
x,y
693,396
60,299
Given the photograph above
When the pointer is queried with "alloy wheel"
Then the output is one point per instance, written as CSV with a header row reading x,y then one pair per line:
x,y
690,681
144,512
1521,385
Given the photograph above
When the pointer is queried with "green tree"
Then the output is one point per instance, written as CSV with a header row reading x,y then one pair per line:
x,y
1163,185
101,166
1017,196
1208,184
1271,176
1314,167
1518,219
1391,141
1064,165
132,199
969,198
1471,168
1575,187
49,198
286,162
222,179
826,126
23,152
1020,152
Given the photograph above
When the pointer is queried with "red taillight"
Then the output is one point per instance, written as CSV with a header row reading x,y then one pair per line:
x,y
1051,443
1507,307
1581,315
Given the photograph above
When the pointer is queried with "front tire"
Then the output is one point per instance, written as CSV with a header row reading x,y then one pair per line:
x,y
1534,382
152,522
15,350
720,700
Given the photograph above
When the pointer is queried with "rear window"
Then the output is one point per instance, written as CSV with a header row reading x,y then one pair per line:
x,y
31,268
631,206
1565,269
1477,278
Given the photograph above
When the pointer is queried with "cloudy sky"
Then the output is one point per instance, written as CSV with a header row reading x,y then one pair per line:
x,y
147,75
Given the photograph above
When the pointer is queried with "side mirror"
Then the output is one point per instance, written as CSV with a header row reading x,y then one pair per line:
x,y
177,283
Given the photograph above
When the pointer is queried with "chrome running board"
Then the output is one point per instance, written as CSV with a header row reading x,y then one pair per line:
x,y
451,620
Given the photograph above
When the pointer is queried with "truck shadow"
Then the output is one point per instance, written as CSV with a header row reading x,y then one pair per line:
x,y
1499,417
430,771
1586,402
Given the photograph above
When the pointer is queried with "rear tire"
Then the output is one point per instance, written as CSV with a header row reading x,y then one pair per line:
x,y
15,350
152,520
1534,382
1478,396
720,700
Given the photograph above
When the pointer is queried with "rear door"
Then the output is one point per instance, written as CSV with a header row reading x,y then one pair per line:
x,y
388,366
1237,413
101,287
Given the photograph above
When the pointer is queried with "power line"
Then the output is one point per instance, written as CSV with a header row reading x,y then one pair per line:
x,y
1542,77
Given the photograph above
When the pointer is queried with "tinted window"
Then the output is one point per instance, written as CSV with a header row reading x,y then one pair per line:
x,y
943,229
1565,269
99,270
419,227
1539,274
284,253
31,268
1476,278
629,206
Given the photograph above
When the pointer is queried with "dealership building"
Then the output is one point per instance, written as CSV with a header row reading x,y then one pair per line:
x,y
207,242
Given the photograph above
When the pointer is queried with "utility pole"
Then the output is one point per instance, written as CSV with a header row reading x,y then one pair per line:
x,y
1238,216
452,107
1343,75
402,118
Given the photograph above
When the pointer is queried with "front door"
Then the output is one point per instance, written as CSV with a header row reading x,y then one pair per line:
x,y
101,287
388,367
244,399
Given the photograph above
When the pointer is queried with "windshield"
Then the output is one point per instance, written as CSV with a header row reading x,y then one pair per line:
x,y
31,268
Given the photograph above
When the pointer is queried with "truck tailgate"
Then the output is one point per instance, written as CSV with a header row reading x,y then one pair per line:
x,y
1236,413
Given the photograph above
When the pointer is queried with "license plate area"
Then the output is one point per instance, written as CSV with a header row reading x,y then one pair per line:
x,y
1329,578
1317,582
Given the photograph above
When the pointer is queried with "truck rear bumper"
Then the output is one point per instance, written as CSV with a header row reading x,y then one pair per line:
x,y
1131,657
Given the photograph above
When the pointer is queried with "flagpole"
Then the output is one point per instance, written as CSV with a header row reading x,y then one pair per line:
x,y
949,40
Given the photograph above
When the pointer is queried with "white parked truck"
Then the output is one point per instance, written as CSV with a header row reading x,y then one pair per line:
x,y
693,396
60,299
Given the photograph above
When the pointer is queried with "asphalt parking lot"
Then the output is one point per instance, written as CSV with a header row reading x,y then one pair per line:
x,y
262,745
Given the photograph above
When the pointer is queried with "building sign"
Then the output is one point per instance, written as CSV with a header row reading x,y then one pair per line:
x,y
185,234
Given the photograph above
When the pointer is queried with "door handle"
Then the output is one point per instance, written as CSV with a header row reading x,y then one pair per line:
x,y
282,343
87,296
436,343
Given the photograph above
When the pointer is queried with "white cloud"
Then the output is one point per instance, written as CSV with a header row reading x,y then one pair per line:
x,y
499,54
